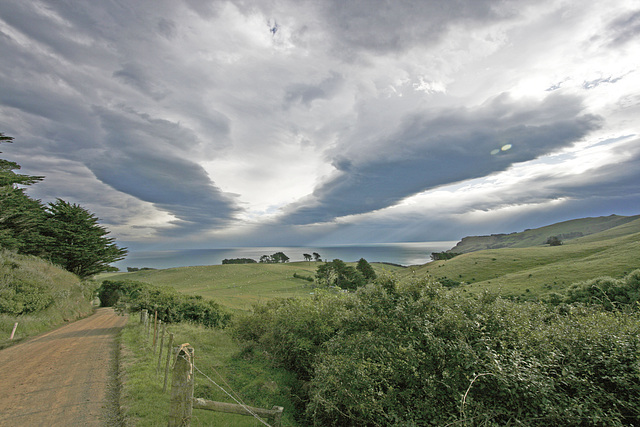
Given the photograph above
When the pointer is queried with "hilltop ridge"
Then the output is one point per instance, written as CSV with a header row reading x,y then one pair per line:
x,y
566,230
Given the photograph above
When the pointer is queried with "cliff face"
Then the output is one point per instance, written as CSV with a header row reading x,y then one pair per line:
x,y
566,230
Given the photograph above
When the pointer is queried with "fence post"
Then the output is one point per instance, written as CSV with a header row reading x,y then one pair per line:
x,y
182,389
155,330
277,417
166,368
155,335
164,326
143,316
13,332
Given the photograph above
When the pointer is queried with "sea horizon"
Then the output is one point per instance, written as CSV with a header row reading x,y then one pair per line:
x,y
401,253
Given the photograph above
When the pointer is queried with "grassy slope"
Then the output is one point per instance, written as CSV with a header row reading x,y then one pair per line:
x,y
542,269
237,286
218,357
538,236
72,297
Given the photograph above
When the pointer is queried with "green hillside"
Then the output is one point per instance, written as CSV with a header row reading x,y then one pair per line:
x,y
236,286
39,296
542,269
566,231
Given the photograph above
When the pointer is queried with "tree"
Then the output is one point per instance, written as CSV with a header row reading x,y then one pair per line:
x,y
554,241
307,257
338,273
367,271
316,256
78,243
21,217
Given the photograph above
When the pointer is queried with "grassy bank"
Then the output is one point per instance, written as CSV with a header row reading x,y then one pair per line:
x,y
38,296
219,358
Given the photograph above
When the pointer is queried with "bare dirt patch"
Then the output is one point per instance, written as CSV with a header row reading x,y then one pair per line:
x,y
61,377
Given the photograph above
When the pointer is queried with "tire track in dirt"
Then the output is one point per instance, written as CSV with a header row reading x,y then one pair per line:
x,y
61,377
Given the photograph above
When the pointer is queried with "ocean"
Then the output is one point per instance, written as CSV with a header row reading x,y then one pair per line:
x,y
411,253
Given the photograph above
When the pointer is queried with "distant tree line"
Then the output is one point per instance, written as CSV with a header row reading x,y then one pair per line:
x,y
274,258
132,269
439,256
64,233
239,261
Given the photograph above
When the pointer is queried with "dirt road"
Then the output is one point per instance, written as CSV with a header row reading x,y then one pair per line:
x,y
61,377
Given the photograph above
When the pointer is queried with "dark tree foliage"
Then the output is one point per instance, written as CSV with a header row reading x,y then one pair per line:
x,y
239,261
317,257
275,258
365,268
79,243
66,234
307,257
554,241
338,273
438,256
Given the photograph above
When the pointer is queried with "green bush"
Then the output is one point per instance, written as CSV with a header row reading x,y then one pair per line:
x,y
170,305
415,353
607,292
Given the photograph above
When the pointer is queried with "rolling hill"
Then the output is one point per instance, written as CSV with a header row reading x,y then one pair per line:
x,y
536,270
566,231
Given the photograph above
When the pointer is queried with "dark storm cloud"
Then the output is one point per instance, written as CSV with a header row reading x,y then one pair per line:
x,y
141,157
433,150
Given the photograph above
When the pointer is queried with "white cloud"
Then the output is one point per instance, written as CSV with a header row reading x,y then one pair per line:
x,y
223,118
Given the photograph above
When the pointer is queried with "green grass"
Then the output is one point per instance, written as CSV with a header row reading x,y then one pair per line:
x,y
219,358
237,286
567,230
538,270
72,298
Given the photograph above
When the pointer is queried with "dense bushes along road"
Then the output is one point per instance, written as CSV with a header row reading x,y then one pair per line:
x,y
415,353
171,306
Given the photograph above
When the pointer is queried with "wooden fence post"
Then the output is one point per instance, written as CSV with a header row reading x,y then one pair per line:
x,y
166,368
182,388
164,326
13,332
155,330
143,316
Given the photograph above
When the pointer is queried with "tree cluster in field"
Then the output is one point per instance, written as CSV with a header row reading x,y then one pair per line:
x,y
416,353
132,269
554,241
274,258
438,256
338,273
64,233
316,257
239,261
171,306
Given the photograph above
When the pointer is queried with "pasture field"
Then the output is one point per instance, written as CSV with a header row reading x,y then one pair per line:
x,y
237,286
536,270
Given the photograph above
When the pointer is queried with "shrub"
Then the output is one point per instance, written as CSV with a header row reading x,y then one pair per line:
x,y
416,353
171,306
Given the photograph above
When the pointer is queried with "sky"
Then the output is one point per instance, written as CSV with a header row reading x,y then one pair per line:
x,y
209,123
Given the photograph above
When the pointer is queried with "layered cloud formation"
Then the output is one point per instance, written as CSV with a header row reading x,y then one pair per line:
x,y
213,123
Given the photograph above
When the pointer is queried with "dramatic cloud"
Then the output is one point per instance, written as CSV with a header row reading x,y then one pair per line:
x,y
221,122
